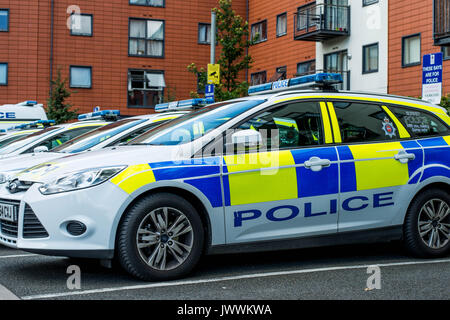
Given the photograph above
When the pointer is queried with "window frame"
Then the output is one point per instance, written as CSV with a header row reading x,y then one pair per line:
x,y
147,5
7,21
251,28
278,105
364,71
70,77
276,28
404,38
366,3
149,71
7,71
198,33
304,62
258,72
162,56
83,34
443,53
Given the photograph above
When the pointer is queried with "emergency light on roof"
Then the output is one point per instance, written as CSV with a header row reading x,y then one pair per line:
x,y
321,80
104,114
182,104
34,124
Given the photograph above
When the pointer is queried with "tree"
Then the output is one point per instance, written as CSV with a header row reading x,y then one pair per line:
x,y
233,39
445,102
57,109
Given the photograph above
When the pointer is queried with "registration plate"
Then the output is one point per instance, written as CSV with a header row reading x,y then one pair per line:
x,y
8,212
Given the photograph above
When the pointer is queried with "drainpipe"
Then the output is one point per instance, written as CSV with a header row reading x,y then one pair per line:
x,y
52,6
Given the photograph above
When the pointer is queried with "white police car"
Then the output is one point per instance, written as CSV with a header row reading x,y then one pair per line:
x,y
109,135
23,112
289,169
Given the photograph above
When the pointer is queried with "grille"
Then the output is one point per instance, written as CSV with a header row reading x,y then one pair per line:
x,y
76,228
8,228
32,227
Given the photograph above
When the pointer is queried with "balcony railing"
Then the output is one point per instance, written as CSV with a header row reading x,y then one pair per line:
x,y
441,32
320,22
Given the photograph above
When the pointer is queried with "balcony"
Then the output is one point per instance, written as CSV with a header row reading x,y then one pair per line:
x,y
321,22
441,32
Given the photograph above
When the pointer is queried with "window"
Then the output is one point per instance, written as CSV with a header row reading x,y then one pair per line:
x,y
150,3
204,33
411,50
441,22
289,126
3,74
80,77
259,31
370,58
360,122
145,88
307,14
369,2
258,78
61,138
307,67
146,38
81,25
132,135
4,20
419,123
281,24
446,52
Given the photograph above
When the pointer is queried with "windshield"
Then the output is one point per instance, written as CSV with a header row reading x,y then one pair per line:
x,y
195,124
24,140
92,138
4,140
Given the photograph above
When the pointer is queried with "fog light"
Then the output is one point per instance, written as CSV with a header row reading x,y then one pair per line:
x,y
76,228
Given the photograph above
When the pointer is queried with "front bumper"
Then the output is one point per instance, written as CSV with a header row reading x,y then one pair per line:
x,y
42,221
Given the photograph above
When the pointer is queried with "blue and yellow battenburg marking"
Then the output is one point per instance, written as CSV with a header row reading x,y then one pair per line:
x,y
362,167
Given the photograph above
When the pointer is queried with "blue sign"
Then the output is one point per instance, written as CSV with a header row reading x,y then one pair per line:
x,y
432,77
209,91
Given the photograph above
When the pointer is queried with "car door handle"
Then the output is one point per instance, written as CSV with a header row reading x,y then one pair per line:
x,y
404,157
316,164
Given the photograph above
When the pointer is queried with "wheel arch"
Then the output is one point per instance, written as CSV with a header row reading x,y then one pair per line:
x,y
186,194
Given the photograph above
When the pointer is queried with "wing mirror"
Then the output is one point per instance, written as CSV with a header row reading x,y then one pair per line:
x,y
40,149
247,138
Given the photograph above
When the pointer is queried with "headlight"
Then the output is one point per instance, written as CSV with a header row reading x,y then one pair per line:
x,y
80,180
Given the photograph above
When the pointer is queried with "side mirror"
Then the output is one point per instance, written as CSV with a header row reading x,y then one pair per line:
x,y
40,149
247,138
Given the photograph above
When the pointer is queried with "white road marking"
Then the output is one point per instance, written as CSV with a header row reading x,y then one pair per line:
x,y
228,278
18,256
5,294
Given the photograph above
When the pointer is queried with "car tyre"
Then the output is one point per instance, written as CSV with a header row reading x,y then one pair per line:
x,y
160,238
427,224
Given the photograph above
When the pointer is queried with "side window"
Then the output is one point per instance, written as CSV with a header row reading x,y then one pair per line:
x,y
130,136
419,123
361,122
293,125
59,139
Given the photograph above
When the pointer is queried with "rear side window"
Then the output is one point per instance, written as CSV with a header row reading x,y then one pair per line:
x,y
419,123
361,122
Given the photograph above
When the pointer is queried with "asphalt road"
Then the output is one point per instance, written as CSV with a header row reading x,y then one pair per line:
x,y
325,273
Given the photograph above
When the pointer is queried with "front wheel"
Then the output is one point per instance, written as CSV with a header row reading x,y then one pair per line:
x,y
427,224
160,238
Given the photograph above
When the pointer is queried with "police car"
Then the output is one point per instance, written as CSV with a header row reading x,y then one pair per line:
x,y
23,112
109,135
286,168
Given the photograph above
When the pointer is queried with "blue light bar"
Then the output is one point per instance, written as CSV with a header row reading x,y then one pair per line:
x,y
99,115
318,79
182,104
34,124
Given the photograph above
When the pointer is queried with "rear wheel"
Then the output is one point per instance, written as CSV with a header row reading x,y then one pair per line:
x,y
427,224
160,238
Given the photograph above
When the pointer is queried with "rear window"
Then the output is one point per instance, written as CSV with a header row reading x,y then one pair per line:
x,y
420,123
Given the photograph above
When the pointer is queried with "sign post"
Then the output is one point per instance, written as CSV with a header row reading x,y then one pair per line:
x,y
432,77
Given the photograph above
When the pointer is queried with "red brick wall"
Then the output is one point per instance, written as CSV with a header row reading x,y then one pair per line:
x,y
408,17
26,47
282,51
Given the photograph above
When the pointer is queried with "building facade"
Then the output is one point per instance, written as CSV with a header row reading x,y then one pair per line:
x,y
132,54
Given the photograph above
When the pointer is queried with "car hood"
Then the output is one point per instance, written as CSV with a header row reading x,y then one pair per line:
x,y
113,156
24,161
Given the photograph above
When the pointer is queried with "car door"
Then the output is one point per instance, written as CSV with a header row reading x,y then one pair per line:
x,y
287,187
377,158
